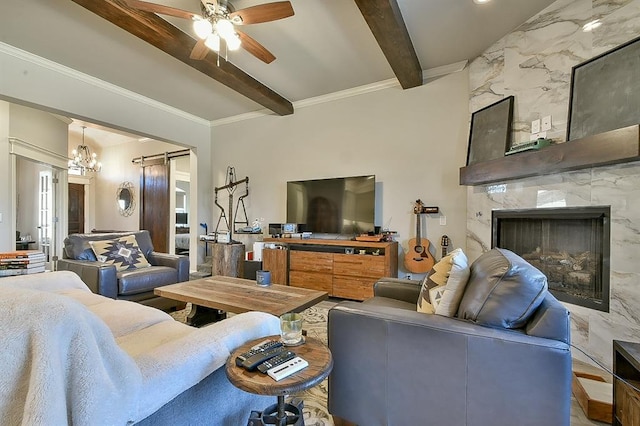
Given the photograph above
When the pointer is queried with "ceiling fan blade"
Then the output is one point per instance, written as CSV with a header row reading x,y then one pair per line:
x,y
158,8
263,13
256,49
199,51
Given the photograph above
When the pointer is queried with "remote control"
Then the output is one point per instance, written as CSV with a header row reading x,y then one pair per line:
x,y
275,361
260,347
254,360
288,368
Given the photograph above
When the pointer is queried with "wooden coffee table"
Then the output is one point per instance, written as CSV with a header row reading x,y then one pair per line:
x,y
316,353
212,297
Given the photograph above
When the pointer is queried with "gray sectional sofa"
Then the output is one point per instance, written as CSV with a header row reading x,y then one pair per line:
x,y
504,359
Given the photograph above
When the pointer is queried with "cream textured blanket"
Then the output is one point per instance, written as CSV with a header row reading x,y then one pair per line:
x,y
60,364
70,356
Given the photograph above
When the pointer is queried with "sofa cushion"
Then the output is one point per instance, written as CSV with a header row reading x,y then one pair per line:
x,y
134,281
390,303
122,252
444,285
503,290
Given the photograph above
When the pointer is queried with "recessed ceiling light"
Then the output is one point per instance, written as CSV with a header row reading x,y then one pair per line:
x,y
481,1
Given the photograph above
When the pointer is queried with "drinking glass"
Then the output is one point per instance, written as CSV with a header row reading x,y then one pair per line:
x,y
291,328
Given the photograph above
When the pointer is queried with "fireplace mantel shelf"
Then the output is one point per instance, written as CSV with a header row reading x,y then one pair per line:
x,y
617,146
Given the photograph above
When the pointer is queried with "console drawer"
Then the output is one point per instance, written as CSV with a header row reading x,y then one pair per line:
x,y
310,261
311,280
353,288
359,265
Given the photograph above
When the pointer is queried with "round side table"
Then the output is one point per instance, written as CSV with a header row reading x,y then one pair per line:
x,y
320,361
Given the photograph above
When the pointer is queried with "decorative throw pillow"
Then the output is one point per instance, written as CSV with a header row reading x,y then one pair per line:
x,y
435,278
444,285
451,295
122,252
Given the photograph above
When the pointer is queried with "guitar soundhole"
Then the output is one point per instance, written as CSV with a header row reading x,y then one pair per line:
x,y
419,249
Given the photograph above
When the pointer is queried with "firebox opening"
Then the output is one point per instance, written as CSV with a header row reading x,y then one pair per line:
x,y
569,245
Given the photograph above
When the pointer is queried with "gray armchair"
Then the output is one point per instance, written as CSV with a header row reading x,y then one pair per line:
x,y
133,284
396,366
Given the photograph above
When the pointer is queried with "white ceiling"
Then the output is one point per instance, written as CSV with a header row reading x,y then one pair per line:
x,y
324,48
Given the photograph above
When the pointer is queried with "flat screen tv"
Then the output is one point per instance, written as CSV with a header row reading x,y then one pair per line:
x,y
181,218
344,205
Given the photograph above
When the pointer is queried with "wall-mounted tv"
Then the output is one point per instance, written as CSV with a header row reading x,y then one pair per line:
x,y
344,205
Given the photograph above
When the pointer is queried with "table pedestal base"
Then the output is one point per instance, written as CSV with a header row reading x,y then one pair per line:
x,y
201,315
280,414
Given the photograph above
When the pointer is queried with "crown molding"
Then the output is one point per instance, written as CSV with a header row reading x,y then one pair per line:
x,y
427,75
96,82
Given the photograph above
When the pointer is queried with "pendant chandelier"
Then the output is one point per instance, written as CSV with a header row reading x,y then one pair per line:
x,y
83,160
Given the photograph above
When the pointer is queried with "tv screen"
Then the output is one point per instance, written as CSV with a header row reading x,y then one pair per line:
x,y
181,218
343,205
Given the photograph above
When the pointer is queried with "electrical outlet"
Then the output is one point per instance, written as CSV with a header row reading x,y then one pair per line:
x,y
535,126
408,276
443,220
546,123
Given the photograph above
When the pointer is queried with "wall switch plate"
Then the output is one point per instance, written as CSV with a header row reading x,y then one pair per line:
x,y
443,220
0,217
535,126
546,123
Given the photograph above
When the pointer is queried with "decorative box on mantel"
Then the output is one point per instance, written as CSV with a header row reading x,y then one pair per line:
x,y
617,146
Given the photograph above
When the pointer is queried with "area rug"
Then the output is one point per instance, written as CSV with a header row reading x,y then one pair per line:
x,y
315,399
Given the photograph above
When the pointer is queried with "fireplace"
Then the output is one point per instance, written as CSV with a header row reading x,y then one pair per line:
x,y
570,245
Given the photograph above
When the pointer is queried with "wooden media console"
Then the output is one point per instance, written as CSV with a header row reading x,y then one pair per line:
x,y
343,268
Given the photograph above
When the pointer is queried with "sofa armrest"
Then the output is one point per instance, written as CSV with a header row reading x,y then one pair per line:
x,y
99,277
397,288
397,366
180,263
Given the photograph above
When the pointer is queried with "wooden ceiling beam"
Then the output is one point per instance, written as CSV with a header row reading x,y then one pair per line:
x,y
161,34
385,21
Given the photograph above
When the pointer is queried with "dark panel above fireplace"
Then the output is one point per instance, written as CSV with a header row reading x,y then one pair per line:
x,y
570,245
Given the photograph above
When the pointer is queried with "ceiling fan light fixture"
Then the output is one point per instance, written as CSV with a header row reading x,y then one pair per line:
x,y
233,42
202,28
213,42
225,28
481,1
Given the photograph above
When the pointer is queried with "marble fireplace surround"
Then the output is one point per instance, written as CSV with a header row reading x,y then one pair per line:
x,y
617,186
533,63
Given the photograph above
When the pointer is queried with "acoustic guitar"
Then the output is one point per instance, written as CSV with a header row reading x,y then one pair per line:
x,y
418,259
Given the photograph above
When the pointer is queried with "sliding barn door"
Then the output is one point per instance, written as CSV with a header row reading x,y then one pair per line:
x,y
154,202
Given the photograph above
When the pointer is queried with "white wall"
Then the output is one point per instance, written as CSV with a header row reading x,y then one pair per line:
x,y
39,130
6,204
31,80
117,168
413,140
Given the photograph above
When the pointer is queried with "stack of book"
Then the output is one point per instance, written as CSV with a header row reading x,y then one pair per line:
x,y
21,262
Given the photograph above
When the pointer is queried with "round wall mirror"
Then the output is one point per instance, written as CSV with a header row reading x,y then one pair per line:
x,y
125,199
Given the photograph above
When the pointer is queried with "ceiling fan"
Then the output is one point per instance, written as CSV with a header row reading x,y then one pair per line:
x,y
219,21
